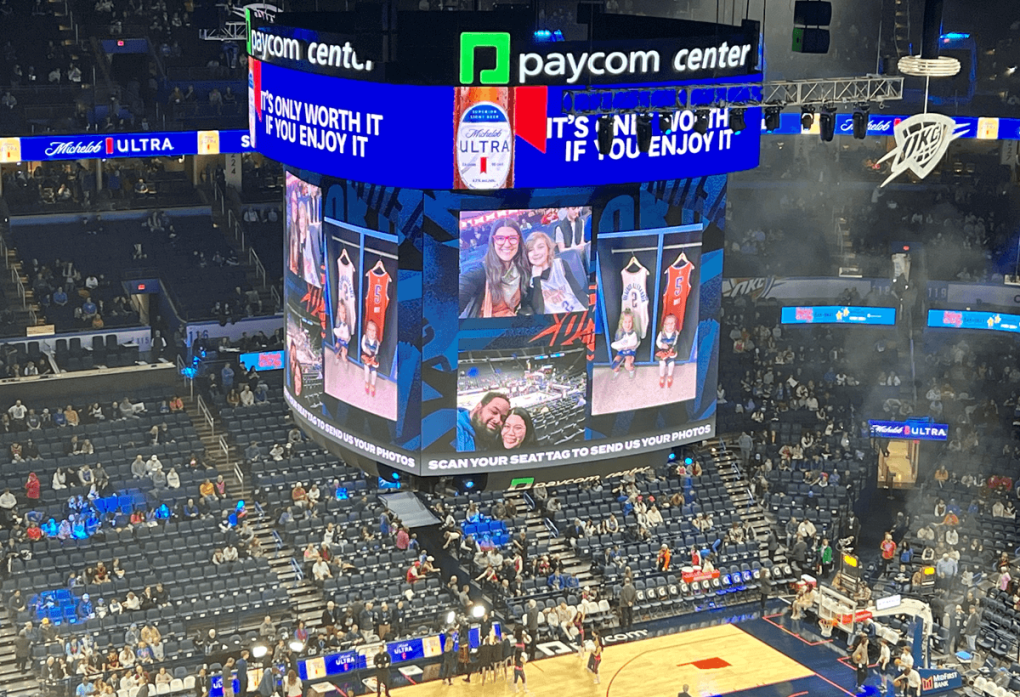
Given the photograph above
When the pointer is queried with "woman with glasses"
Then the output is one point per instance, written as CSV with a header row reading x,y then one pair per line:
x,y
500,286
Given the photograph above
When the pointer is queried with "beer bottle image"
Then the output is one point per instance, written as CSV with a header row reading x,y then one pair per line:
x,y
485,138
253,98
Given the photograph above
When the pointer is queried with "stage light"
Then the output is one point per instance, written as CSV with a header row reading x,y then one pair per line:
x,y
701,119
478,611
665,123
644,132
860,120
827,123
737,123
296,645
605,134
807,118
259,650
772,118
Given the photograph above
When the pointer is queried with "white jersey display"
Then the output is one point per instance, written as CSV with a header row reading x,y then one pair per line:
x,y
345,289
635,298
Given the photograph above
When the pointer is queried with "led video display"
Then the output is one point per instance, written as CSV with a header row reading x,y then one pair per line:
x,y
447,333
838,314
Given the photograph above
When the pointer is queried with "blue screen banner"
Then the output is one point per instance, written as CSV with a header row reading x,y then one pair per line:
x,y
262,360
909,430
103,146
977,127
838,314
430,137
967,319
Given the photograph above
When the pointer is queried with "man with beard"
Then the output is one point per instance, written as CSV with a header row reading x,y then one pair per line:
x,y
478,428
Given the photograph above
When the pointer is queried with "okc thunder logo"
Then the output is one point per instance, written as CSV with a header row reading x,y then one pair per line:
x,y
921,141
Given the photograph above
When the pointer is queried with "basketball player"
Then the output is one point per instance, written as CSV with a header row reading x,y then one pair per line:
x,y
370,357
666,342
342,332
625,344
859,659
596,654
519,660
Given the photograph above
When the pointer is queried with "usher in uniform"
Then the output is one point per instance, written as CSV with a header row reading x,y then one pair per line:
x,y
635,298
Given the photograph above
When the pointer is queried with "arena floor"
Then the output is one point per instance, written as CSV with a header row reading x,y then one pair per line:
x,y
745,657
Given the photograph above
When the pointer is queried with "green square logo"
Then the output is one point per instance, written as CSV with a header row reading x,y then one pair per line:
x,y
519,483
247,29
470,41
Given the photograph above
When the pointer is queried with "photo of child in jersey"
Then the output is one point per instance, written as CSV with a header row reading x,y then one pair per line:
x,y
359,354
304,230
646,320
520,399
524,262
304,357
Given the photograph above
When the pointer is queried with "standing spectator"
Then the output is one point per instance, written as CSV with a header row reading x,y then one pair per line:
x,y
945,570
32,487
628,597
448,667
888,549
18,412
292,685
970,629
242,673
22,650
227,676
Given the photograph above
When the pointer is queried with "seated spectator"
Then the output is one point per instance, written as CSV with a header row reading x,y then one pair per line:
x,y
31,451
247,397
220,487
207,492
313,495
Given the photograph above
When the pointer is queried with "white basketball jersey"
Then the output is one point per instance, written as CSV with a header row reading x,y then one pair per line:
x,y
345,290
635,298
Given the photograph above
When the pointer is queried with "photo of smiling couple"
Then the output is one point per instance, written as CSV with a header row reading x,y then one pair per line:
x,y
520,399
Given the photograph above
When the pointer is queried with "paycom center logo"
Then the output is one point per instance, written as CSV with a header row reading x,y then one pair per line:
x,y
470,42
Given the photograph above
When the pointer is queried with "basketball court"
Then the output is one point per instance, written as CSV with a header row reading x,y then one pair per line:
x,y
726,659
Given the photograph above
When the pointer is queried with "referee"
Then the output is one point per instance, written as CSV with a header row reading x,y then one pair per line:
x,y
382,662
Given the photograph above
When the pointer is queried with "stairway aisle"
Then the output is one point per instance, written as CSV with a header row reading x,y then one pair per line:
x,y
725,457
222,461
306,600
13,682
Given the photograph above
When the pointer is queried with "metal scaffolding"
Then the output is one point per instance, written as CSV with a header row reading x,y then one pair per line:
x,y
869,89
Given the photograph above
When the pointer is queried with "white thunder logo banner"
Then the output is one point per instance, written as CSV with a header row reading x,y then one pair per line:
x,y
921,141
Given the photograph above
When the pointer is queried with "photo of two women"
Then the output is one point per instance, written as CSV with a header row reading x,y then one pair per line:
x,y
524,262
